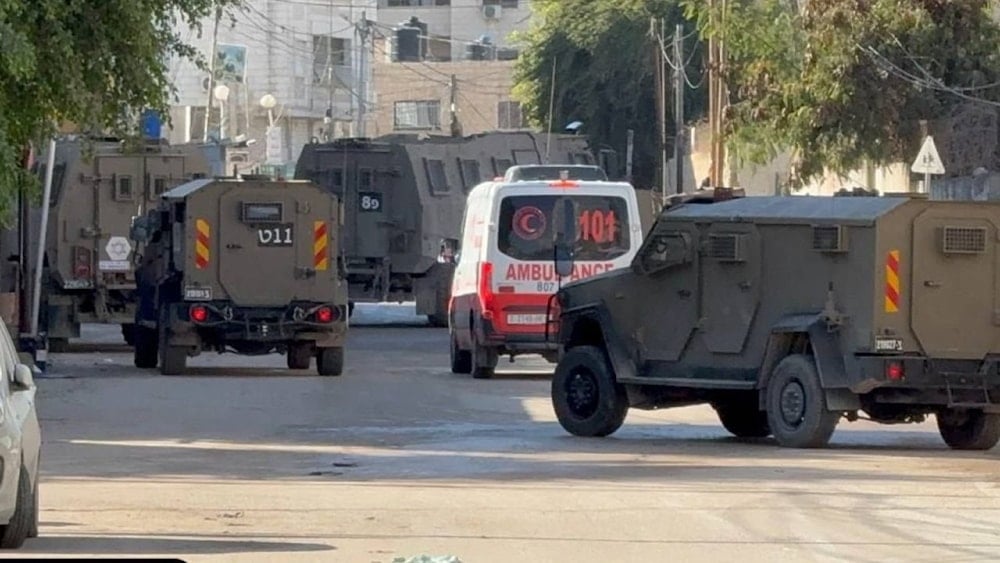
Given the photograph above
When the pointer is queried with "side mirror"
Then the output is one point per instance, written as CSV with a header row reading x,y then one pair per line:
x,y
23,378
564,260
565,240
140,229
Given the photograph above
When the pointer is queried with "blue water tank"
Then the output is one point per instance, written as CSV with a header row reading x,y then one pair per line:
x,y
152,124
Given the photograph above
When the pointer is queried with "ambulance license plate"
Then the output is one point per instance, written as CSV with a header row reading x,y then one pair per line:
x,y
525,319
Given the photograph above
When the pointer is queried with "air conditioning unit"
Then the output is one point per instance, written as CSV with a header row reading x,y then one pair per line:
x,y
492,12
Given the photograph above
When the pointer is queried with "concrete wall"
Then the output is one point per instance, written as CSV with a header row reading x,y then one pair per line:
x,y
480,87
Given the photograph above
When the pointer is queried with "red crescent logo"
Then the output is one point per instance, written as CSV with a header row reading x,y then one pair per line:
x,y
529,223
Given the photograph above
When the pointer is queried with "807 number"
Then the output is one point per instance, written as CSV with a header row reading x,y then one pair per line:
x,y
546,287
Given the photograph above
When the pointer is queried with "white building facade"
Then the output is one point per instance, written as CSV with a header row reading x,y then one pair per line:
x,y
305,54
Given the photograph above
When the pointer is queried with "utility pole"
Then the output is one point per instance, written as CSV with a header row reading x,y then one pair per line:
x,y
629,151
363,32
661,103
329,75
456,131
679,107
713,100
211,75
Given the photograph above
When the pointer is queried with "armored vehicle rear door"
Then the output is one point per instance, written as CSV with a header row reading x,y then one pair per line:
x,y
955,263
277,245
366,205
120,197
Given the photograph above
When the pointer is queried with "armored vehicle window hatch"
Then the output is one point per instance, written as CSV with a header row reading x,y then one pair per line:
x,y
500,166
963,240
829,238
727,247
436,176
664,250
469,169
159,186
255,212
123,188
366,178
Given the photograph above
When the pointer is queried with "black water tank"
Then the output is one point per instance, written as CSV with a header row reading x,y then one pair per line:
x,y
408,44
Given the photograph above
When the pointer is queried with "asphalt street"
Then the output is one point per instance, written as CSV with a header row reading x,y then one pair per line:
x,y
243,460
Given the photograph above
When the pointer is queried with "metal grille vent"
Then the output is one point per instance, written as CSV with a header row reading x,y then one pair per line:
x,y
726,247
829,238
964,240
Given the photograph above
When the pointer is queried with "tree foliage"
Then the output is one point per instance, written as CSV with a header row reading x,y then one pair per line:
x,y
91,63
847,81
604,72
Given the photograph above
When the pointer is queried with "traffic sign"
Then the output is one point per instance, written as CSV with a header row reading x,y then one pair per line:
x,y
928,161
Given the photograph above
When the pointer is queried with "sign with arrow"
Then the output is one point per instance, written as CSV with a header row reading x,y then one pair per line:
x,y
928,161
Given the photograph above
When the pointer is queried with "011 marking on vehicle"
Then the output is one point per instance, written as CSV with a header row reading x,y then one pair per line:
x,y
892,282
279,235
202,254
370,202
529,222
320,240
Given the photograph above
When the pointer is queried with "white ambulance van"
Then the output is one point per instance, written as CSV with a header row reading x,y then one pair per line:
x,y
505,272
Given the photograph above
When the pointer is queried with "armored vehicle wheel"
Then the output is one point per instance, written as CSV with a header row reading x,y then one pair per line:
x,y
969,429
796,407
587,399
743,419
330,361
438,321
461,360
58,345
128,333
299,356
147,347
350,309
173,359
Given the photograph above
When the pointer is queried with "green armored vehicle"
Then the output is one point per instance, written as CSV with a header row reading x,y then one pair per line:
x,y
787,314
98,186
248,266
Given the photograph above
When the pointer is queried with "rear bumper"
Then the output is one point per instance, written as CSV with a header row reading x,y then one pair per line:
x,y
526,342
952,383
258,324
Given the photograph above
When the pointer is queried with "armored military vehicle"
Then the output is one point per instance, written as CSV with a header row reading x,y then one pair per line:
x,y
245,265
98,186
788,313
403,200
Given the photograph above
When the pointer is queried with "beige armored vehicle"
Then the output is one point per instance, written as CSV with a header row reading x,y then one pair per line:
x,y
248,266
98,186
787,314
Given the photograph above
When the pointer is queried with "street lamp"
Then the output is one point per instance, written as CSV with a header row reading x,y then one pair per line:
x,y
221,93
268,102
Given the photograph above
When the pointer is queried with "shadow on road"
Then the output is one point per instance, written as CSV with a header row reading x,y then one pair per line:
x,y
149,545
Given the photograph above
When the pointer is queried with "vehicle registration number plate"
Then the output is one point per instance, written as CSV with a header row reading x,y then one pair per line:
x,y
521,319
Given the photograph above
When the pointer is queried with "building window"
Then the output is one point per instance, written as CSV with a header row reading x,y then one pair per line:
x,y
328,52
502,3
417,114
509,116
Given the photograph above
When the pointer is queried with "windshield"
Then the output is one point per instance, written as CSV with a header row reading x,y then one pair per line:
x,y
527,226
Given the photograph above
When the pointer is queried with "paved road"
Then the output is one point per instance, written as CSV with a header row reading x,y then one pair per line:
x,y
242,461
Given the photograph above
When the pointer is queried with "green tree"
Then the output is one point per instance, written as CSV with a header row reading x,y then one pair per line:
x,y
842,82
604,73
91,63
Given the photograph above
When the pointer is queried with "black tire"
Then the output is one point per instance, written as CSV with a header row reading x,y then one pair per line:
x,y
438,321
147,347
173,359
13,534
33,530
743,419
330,361
350,309
128,333
796,405
58,345
484,361
461,360
969,429
299,356
587,399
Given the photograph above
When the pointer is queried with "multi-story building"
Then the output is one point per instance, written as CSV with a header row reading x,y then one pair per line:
x,y
305,54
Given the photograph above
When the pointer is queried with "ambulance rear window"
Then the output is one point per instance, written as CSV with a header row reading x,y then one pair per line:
x,y
526,227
